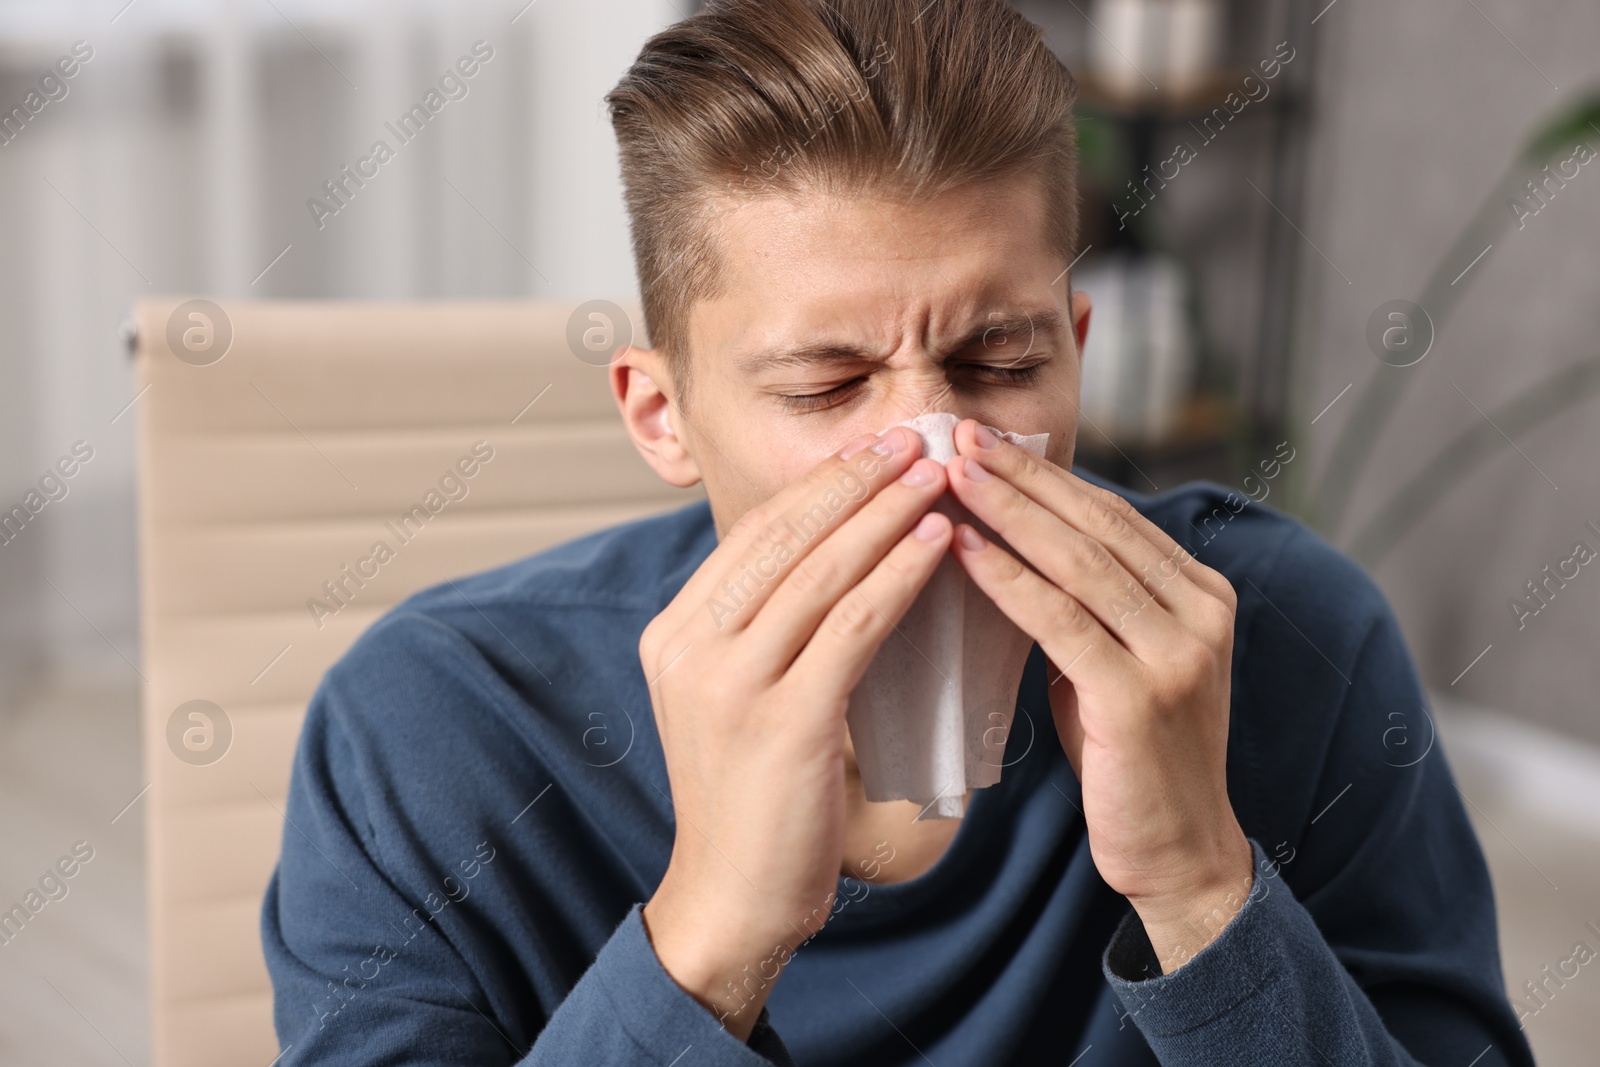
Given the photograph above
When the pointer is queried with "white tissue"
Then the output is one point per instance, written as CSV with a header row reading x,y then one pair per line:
x,y
946,679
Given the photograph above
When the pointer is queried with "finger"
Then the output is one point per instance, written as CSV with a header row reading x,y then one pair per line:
x,y
1069,724
846,555
1161,564
1069,634
849,635
742,570
1080,565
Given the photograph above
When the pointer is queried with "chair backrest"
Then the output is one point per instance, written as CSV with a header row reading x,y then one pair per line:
x,y
278,444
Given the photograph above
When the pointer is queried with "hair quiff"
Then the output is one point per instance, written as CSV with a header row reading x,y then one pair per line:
x,y
902,98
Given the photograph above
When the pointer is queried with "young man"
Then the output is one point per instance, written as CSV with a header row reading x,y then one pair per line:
x,y
565,812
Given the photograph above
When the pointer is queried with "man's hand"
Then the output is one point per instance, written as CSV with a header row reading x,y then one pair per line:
x,y
1140,639
750,669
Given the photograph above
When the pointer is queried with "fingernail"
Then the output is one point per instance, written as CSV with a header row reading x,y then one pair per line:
x,y
888,443
986,438
857,445
928,528
974,470
970,539
919,473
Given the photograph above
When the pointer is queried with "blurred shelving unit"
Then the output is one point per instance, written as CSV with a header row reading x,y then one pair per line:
x,y
1193,121
1202,442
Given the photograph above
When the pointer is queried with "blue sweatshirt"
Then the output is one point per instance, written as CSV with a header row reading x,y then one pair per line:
x,y
479,806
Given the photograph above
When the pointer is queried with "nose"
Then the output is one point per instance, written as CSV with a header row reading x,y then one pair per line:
x,y
916,389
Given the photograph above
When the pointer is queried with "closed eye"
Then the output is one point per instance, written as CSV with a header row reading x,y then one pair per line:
x,y
1011,375
808,402
845,392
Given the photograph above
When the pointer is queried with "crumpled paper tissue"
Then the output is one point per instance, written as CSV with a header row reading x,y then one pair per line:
x,y
945,681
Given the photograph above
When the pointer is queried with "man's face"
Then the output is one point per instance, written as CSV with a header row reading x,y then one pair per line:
x,y
843,317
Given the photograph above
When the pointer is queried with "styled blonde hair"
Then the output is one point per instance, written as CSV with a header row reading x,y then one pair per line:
x,y
892,98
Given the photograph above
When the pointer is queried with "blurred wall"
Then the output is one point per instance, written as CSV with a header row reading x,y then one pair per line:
x,y
1421,106
180,157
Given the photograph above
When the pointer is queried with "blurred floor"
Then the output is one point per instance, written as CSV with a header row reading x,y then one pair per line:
x,y
1534,797
73,980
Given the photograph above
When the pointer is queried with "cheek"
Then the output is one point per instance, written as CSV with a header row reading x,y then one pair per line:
x,y
796,443
740,482
737,481
1061,450
1060,414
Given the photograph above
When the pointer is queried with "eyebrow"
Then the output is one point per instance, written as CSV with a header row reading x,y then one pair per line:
x,y
1026,322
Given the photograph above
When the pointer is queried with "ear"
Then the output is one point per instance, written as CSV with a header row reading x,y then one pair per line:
x,y
644,390
1081,308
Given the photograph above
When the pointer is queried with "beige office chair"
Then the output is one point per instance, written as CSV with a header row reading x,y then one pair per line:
x,y
276,441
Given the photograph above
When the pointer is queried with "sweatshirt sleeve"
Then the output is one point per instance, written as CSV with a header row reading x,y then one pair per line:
x,y
1270,991
385,923
659,1022
1385,951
